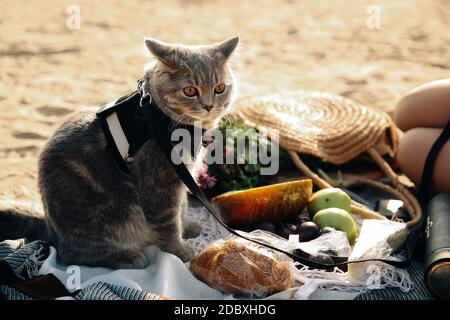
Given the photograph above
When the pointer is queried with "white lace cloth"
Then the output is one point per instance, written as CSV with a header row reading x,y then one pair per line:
x,y
211,229
166,275
312,284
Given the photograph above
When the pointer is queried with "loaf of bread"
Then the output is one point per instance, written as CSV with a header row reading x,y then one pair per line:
x,y
243,268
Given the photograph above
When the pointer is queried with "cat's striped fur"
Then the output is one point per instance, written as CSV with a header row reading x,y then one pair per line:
x,y
97,215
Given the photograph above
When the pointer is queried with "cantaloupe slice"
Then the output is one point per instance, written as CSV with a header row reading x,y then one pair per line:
x,y
272,202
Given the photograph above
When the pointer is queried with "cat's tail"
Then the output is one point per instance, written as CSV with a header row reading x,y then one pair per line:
x,y
22,220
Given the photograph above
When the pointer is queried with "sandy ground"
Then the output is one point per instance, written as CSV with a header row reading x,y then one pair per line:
x,y
48,70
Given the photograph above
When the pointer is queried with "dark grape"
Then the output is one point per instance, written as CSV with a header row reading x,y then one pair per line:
x,y
296,220
267,226
287,229
301,253
329,252
291,227
326,230
323,258
308,231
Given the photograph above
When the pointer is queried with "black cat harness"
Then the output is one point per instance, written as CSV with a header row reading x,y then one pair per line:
x,y
126,130
134,119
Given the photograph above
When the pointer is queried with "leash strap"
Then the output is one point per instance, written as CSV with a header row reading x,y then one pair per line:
x,y
164,142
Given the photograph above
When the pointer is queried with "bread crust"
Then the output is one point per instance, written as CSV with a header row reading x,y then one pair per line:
x,y
241,268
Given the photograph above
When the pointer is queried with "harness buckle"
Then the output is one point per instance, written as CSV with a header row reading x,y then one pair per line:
x,y
129,159
145,100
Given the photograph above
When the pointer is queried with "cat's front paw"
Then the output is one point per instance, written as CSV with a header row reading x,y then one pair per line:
x,y
135,261
185,252
191,230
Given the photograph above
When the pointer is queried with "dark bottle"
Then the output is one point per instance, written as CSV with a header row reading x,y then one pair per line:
x,y
437,246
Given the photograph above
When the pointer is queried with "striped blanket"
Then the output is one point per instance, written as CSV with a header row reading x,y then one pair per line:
x,y
20,280
20,263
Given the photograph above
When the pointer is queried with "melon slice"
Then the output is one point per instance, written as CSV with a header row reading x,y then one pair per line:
x,y
272,202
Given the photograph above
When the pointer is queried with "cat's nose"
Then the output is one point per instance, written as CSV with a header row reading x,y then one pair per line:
x,y
208,108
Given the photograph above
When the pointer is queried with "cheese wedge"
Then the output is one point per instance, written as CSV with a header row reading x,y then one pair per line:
x,y
377,239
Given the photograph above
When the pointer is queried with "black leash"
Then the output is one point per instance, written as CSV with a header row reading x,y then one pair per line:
x,y
163,139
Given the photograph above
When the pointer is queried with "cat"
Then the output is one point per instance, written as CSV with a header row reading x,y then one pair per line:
x,y
98,215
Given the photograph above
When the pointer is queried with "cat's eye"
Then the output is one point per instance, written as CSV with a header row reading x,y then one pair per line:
x,y
220,88
190,91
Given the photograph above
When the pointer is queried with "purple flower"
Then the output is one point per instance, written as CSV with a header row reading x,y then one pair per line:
x,y
205,180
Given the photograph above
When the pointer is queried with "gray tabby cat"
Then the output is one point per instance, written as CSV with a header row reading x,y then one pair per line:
x,y
97,215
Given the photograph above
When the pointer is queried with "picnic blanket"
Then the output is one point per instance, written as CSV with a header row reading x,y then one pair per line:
x,y
28,267
31,271
20,263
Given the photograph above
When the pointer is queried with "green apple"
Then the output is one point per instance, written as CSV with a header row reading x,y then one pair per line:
x,y
329,198
339,219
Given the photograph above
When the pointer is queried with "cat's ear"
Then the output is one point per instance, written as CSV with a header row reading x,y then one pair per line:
x,y
160,50
227,47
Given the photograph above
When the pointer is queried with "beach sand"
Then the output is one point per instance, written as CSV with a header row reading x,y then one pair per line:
x,y
48,70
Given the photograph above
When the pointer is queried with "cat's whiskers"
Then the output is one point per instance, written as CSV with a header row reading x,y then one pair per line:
x,y
175,123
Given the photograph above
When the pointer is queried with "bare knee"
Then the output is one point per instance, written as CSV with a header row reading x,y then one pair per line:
x,y
425,106
413,151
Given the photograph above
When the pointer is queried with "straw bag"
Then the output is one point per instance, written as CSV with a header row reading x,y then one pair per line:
x,y
334,129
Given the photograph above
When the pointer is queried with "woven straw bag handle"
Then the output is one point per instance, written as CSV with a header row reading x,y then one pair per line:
x,y
399,191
